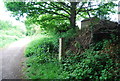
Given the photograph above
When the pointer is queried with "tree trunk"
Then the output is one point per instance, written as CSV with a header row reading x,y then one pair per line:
x,y
73,14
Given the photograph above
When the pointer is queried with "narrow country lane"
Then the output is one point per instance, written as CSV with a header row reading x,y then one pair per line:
x,y
11,59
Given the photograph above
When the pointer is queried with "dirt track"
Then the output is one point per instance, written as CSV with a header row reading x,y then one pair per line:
x,y
11,59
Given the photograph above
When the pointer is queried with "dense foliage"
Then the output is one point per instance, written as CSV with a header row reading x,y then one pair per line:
x,y
94,65
66,10
42,46
42,54
48,24
32,29
91,65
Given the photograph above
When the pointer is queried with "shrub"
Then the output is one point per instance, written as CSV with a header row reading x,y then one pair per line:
x,y
42,62
41,46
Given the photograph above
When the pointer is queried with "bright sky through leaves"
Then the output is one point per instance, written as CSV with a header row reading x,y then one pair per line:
x,y
5,15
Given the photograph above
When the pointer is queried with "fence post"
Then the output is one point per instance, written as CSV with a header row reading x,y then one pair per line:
x,y
61,48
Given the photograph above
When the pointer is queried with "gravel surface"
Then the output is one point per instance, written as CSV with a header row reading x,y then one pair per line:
x,y
11,59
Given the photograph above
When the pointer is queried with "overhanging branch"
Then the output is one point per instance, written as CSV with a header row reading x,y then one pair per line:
x,y
80,8
60,8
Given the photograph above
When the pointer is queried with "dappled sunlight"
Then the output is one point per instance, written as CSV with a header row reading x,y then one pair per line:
x,y
9,33
20,43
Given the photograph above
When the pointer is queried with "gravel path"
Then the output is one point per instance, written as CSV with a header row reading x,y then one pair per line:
x,y
11,59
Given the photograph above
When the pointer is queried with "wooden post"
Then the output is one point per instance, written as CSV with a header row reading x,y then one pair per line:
x,y
61,48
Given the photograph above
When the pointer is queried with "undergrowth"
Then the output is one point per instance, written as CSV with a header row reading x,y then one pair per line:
x,y
91,65
42,55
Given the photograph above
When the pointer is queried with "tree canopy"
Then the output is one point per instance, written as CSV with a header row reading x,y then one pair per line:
x,y
64,10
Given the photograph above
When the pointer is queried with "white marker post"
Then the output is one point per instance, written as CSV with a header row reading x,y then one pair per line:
x,y
119,12
61,48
